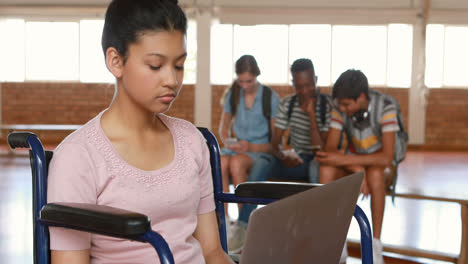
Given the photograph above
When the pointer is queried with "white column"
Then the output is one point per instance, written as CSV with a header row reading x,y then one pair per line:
x,y
1,108
417,93
202,104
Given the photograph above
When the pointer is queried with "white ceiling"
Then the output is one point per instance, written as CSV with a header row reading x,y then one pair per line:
x,y
263,11
55,2
435,4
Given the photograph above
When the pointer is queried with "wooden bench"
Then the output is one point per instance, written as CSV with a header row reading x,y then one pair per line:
x,y
36,127
460,198
27,127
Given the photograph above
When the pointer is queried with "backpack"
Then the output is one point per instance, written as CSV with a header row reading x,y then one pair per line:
x,y
401,136
266,104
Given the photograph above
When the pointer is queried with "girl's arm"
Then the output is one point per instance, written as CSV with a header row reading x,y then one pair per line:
x,y
207,234
70,257
224,126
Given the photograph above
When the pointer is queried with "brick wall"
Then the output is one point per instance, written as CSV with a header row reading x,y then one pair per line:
x,y
76,103
447,119
66,103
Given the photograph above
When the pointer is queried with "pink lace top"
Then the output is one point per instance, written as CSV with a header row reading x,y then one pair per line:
x,y
86,168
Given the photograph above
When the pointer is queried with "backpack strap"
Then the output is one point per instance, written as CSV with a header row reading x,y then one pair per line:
x,y
266,107
399,117
323,108
375,113
292,102
375,122
234,99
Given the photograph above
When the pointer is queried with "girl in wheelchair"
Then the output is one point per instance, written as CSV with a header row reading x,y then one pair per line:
x,y
133,156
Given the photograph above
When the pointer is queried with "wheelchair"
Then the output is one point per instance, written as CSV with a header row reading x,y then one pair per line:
x,y
120,223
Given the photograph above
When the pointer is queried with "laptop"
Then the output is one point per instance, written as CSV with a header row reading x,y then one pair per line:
x,y
308,227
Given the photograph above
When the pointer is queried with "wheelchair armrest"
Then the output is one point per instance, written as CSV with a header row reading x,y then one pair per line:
x,y
272,190
104,220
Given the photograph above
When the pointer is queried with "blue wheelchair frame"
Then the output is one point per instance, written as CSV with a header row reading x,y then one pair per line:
x,y
39,165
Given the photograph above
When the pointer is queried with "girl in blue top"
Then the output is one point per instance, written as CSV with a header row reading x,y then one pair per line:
x,y
249,123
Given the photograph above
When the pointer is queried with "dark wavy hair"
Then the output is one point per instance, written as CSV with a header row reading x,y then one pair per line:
x,y
127,20
247,63
350,84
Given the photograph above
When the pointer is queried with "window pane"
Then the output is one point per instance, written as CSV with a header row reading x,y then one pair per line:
x,y
400,52
221,62
456,56
269,45
92,63
190,66
313,42
360,47
12,50
52,51
434,55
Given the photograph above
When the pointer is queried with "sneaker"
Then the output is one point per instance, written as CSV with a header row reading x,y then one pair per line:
x,y
230,223
229,227
344,254
236,242
377,249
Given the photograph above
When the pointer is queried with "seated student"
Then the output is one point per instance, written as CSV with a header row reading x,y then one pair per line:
x,y
251,108
131,155
366,151
307,115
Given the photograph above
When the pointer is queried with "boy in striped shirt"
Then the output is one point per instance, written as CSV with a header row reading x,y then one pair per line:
x,y
308,118
370,131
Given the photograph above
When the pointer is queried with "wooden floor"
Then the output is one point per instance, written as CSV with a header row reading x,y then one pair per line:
x,y
433,226
427,225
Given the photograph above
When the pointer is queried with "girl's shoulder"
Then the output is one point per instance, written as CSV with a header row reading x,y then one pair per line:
x,y
89,138
79,148
79,135
187,135
180,126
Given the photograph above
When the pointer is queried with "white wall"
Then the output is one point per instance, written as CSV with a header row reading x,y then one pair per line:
x,y
276,12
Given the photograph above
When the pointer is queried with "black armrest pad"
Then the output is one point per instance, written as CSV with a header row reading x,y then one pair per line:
x,y
19,139
99,219
272,190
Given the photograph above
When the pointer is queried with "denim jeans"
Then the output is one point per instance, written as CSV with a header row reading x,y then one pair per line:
x,y
269,167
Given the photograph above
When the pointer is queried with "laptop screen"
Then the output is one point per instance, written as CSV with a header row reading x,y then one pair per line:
x,y
308,227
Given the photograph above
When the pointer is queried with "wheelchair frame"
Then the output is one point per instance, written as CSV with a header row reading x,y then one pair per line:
x,y
39,165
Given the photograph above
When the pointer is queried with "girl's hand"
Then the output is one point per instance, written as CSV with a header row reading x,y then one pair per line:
x,y
241,146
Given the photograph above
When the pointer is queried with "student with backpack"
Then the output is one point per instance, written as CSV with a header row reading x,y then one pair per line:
x,y
307,115
249,107
372,123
